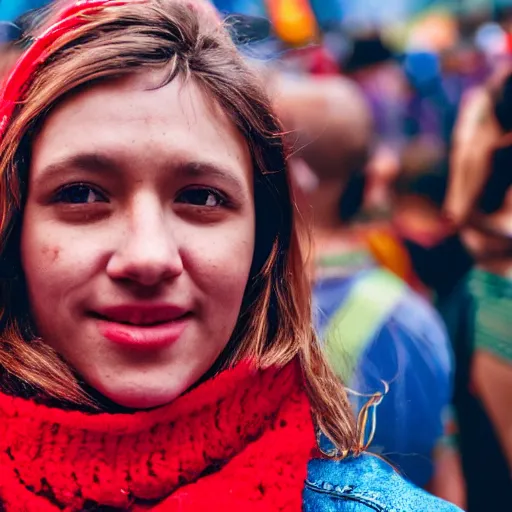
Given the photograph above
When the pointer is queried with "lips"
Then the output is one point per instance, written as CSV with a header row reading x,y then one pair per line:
x,y
142,326
142,315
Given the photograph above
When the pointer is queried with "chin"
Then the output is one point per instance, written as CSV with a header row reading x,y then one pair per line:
x,y
140,398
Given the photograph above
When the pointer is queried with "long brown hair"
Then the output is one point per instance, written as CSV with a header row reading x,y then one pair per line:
x,y
275,325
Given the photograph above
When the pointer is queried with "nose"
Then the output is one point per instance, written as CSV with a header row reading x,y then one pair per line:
x,y
147,252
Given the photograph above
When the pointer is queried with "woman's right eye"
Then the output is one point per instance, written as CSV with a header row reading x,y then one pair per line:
x,y
79,193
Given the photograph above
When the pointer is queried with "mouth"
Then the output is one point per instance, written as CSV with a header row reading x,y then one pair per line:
x,y
138,322
142,327
141,314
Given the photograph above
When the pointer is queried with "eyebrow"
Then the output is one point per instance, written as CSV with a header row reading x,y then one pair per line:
x,y
93,163
198,170
97,163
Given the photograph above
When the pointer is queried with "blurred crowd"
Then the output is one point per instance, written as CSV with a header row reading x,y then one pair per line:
x,y
402,159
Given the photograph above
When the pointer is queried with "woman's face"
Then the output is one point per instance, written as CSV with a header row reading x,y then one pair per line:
x,y
138,236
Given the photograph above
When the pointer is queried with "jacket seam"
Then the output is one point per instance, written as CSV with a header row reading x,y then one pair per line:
x,y
358,498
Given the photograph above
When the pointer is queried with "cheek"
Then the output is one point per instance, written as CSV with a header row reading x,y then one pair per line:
x,y
55,262
220,266
40,254
41,259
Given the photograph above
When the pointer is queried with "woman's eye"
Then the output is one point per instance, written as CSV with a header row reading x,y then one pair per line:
x,y
79,194
201,197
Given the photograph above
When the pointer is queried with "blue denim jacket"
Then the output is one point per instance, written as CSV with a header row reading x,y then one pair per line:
x,y
364,484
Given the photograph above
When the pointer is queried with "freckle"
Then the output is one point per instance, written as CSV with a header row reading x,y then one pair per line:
x,y
56,252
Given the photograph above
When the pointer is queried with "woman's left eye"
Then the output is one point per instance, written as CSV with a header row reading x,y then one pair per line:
x,y
201,197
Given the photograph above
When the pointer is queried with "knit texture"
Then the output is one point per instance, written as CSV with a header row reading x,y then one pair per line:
x,y
240,441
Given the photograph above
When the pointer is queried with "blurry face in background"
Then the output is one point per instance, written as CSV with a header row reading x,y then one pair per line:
x,y
330,124
138,236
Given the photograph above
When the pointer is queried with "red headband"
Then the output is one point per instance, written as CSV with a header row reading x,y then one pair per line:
x,y
19,79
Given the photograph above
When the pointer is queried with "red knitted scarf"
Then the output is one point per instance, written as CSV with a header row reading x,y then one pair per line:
x,y
238,442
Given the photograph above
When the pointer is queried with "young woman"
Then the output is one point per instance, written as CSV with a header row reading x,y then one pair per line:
x,y
156,346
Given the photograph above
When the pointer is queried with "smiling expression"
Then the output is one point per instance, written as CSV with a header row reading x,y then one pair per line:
x,y
138,235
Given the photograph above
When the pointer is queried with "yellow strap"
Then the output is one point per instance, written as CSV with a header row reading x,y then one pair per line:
x,y
357,321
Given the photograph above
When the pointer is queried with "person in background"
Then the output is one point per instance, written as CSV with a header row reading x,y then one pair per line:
x,y
307,120
383,339
478,308
375,68
417,220
156,346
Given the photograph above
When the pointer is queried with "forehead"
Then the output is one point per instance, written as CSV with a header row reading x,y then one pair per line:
x,y
137,118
